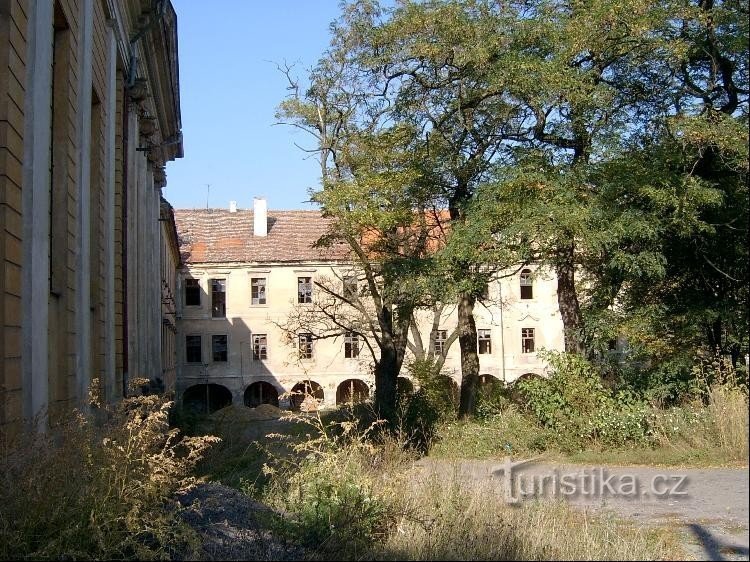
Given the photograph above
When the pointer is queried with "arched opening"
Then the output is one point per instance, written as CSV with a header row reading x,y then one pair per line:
x,y
261,392
515,394
404,386
488,380
448,389
352,391
206,398
306,396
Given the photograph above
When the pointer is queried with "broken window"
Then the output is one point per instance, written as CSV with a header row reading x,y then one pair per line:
x,y
219,348
351,345
485,342
440,338
193,349
218,298
349,289
527,340
304,289
305,346
527,286
258,290
192,292
260,347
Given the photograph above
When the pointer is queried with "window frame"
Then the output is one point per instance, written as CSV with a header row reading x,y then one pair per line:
x,y
441,336
305,349
226,348
349,286
262,348
258,286
525,337
304,297
213,283
200,349
484,336
351,345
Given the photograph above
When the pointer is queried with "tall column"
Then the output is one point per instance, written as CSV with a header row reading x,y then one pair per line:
x,y
131,230
83,256
110,384
36,218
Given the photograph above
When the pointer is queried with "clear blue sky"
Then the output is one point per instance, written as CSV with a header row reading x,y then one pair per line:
x,y
229,90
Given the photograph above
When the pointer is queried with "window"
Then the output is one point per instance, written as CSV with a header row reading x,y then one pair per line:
x,y
527,340
351,345
192,292
260,347
527,287
218,298
219,348
304,289
193,349
258,290
349,290
305,346
440,338
485,342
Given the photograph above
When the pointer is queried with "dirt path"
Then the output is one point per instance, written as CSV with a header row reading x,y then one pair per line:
x,y
710,506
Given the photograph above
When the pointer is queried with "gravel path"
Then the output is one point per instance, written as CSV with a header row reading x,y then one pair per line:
x,y
709,505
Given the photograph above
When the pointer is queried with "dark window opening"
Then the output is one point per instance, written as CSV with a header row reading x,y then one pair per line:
x,y
193,349
192,292
219,348
527,286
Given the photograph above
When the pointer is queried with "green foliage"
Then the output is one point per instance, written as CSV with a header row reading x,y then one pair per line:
x,y
574,403
435,400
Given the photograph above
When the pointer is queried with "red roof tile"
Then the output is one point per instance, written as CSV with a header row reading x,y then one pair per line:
x,y
218,236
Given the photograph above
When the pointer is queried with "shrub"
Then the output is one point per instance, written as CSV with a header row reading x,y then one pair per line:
x,y
98,491
574,403
336,489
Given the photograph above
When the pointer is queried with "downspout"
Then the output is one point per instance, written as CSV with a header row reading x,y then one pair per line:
x,y
502,331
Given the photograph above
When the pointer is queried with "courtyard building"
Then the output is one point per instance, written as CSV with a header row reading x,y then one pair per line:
x,y
245,273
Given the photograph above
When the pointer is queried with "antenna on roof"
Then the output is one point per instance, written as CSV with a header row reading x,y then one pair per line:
x,y
208,190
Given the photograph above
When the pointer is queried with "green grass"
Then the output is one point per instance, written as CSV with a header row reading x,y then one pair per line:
x,y
515,434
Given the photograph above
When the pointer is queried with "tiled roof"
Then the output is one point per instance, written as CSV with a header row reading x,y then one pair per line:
x,y
219,236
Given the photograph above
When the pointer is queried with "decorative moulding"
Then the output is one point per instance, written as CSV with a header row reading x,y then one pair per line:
x,y
139,90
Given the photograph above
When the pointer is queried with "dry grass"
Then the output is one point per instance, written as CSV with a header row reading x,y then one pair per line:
x,y
98,490
449,521
718,430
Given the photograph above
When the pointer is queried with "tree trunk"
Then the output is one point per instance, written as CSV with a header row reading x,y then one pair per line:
x,y
386,373
567,299
467,339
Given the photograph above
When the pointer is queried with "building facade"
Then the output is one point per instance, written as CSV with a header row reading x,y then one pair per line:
x,y
89,115
245,274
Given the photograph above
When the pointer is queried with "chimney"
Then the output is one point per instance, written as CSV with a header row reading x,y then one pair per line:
x,y
233,206
260,218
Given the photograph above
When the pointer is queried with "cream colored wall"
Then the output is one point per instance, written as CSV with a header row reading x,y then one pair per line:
x,y
328,367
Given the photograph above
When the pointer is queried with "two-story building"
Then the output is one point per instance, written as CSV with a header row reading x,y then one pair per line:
x,y
245,273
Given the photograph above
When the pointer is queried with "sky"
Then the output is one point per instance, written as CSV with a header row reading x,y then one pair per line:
x,y
229,90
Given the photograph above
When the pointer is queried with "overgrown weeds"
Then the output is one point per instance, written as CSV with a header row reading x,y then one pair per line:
x,y
100,490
